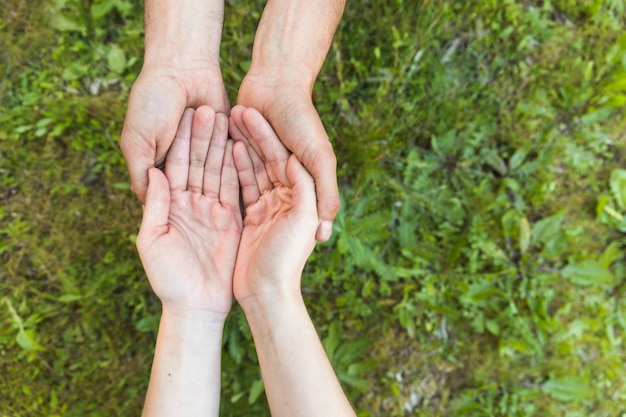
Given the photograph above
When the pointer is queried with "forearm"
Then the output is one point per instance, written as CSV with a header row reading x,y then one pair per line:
x,y
185,378
181,32
294,37
298,377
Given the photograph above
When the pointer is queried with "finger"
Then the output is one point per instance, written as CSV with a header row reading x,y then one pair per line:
x,y
303,187
271,149
177,161
305,136
148,132
263,180
138,166
156,209
229,187
240,131
213,166
250,192
201,132
322,166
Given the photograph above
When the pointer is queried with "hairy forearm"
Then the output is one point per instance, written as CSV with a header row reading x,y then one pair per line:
x,y
294,37
185,377
299,380
181,32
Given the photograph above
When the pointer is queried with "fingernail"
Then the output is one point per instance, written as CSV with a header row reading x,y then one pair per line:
x,y
326,230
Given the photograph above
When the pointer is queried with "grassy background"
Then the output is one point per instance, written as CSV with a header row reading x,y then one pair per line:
x,y
477,266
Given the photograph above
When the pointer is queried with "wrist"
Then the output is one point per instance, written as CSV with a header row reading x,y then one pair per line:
x,y
293,38
183,33
266,311
194,323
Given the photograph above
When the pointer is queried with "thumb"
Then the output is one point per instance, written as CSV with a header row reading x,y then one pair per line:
x,y
306,137
303,188
157,207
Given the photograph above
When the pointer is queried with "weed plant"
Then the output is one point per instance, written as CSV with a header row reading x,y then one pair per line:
x,y
477,266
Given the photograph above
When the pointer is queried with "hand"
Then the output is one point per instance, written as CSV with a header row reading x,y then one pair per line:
x,y
192,222
289,109
156,104
280,215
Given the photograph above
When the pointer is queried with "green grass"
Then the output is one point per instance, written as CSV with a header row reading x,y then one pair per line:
x,y
477,266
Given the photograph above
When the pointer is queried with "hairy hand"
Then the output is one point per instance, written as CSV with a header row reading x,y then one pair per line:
x,y
289,109
155,107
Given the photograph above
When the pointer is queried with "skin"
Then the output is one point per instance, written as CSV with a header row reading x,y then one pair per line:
x,y
198,253
181,70
188,244
290,46
278,236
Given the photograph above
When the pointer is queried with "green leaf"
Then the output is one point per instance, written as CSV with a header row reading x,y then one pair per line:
x,y
65,24
481,293
618,187
74,71
524,235
116,59
99,10
444,144
148,324
517,158
568,388
235,350
588,272
546,228
612,253
331,342
255,391
68,298
26,340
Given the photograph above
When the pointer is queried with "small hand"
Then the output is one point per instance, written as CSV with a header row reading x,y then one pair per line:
x,y
155,107
280,214
289,109
192,221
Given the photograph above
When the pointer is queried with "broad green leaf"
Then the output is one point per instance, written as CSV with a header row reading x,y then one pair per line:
x,y
570,388
26,339
546,228
148,324
611,253
618,187
116,59
356,382
444,144
478,293
516,160
99,10
331,342
65,24
74,71
588,272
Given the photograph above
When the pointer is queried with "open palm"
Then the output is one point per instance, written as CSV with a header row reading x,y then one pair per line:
x,y
280,211
192,223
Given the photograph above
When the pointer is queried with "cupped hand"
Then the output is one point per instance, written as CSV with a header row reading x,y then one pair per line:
x,y
289,109
192,220
280,220
155,108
